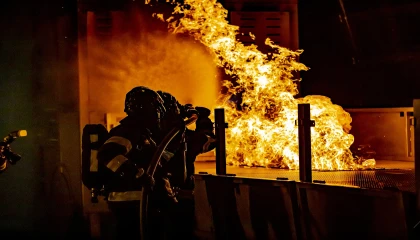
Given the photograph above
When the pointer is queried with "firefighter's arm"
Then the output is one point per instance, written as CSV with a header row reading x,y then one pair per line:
x,y
200,142
209,142
113,155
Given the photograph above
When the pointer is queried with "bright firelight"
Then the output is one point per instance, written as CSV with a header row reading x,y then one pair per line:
x,y
263,131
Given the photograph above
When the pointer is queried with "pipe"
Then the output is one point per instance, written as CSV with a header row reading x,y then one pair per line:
x,y
416,109
353,42
305,123
219,117
152,169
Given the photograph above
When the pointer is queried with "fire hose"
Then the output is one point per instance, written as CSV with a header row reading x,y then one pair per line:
x,y
151,172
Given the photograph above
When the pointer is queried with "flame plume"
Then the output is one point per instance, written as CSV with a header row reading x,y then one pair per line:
x,y
263,132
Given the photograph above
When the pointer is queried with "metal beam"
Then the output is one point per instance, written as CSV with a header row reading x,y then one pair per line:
x,y
219,118
305,123
416,106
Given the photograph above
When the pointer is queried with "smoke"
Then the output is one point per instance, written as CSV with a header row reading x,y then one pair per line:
x,y
160,61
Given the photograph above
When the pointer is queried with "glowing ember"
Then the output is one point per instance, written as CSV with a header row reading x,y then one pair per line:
x,y
263,132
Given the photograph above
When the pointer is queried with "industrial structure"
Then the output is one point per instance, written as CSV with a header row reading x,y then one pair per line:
x,y
86,86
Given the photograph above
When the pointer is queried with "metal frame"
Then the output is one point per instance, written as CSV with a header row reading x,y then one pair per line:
x,y
416,106
380,110
393,132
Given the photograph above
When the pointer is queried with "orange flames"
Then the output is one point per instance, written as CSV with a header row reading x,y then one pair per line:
x,y
264,133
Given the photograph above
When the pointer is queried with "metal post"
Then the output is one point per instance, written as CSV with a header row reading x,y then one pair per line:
x,y
220,127
416,108
305,123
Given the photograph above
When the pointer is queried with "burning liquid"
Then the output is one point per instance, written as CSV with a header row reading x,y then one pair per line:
x,y
263,132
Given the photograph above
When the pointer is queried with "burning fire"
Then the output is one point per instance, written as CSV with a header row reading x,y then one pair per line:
x,y
263,131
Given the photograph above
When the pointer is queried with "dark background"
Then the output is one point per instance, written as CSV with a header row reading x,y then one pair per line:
x,y
380,71
39,196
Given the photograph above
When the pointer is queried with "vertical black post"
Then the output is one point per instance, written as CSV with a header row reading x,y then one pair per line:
x,y
220,127
304,131
416,108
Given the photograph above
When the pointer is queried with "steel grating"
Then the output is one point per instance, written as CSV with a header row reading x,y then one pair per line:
x,y
401,179
377,179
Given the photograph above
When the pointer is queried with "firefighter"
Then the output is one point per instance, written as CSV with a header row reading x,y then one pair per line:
x,y
174,170
200,140
174,117
127,154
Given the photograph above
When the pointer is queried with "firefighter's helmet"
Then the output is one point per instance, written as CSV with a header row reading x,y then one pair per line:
x,y
144,102
171,104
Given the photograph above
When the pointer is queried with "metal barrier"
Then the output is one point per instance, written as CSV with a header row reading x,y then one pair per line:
x,y
220,193
229,207
335,212
245,208
204,226
267,209
242,208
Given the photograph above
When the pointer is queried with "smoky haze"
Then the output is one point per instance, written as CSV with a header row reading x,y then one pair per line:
x,y
160,61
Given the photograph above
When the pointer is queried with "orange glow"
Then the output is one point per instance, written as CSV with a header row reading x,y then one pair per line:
x,y
156,59
264,132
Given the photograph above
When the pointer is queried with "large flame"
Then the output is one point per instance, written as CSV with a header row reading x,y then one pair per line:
x,y
263,131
